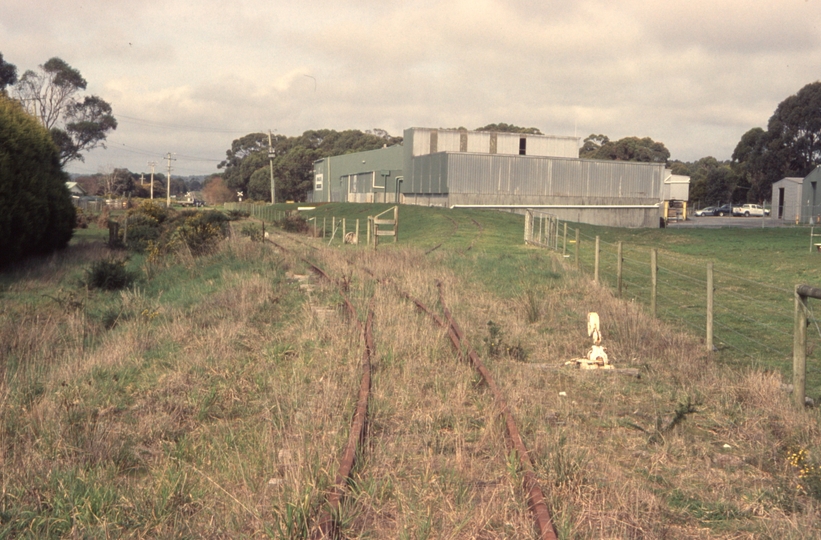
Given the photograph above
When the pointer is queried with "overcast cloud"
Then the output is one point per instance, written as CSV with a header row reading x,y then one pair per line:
x,y
189,77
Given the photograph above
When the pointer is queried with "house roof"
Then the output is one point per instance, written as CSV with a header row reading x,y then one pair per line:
x,y
793,179
75,187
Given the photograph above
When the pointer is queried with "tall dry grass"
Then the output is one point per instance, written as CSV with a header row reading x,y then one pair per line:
x,y
213,400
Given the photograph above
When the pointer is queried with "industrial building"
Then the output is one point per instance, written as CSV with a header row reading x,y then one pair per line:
x,y
796,199
505,171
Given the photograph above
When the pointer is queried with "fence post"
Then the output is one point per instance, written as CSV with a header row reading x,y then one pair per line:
x,y
344,230
799,349
357,231
619,263
653,280
323,226
113,233
528,225
710,292
596,262
577,250
564,244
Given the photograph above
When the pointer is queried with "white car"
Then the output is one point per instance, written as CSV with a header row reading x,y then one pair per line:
x,y
748,210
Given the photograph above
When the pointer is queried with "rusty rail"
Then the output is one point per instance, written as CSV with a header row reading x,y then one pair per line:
x,y
535,495
326,524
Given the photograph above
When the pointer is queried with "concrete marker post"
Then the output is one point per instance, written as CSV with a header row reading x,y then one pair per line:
x,y
653,280
710,292
596,263
619,264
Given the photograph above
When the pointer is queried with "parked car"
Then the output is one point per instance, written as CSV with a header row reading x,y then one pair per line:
x,y
707,211
724,210
748,210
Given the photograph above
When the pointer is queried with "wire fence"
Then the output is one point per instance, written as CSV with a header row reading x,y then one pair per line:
x,y
257,211
750,319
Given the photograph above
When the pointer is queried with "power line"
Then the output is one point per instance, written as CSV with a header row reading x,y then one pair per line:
x,y
151,123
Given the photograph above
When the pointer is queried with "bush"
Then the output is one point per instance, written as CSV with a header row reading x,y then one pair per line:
x,y
142,229
36,214
293,223
104,217
252,231
234,215
200,231
151,209
82,219
109,275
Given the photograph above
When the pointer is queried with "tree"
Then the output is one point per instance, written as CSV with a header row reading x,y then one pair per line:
x,y
247,164
36,214
791,145
592,144
794,134
91,184
8,74
52,95
750,162
626,149
510,128
216,192
122,182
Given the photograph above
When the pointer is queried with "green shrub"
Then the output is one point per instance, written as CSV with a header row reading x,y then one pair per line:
x,y
234,215
200,231
252,231
36,214
152,209
293,223
109,275
142,229
82,219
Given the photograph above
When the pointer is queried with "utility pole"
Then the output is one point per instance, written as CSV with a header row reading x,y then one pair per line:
x,y
168,181
152,164
271,161
142,179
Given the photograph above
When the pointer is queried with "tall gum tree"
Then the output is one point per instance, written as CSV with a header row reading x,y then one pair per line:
x,y
77,123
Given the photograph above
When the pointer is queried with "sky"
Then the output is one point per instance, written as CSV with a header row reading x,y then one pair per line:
x,y
188,78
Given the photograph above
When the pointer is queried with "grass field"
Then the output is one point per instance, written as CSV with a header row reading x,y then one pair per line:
x,y
212,397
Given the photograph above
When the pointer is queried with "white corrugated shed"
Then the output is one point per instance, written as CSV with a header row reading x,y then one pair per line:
x,y
787,198
423,141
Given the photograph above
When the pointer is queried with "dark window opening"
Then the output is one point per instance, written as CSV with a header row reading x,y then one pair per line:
x,y
523,146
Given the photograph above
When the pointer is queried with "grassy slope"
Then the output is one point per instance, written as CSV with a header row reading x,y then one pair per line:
x,y
213,400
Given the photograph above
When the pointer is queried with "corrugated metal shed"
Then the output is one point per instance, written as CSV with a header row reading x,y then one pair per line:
x,y
498,177
373,171
423,141
676,188
786,199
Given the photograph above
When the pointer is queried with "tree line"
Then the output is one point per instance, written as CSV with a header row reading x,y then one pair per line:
x,y
247,165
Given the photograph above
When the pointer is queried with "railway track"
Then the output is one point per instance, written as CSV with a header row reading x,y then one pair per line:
x,y
326,524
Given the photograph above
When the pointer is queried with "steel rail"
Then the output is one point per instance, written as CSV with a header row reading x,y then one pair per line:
x,y
326,524
535,496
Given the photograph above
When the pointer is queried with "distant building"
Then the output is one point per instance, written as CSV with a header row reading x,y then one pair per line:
x,y
797,199
76,189
506,171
